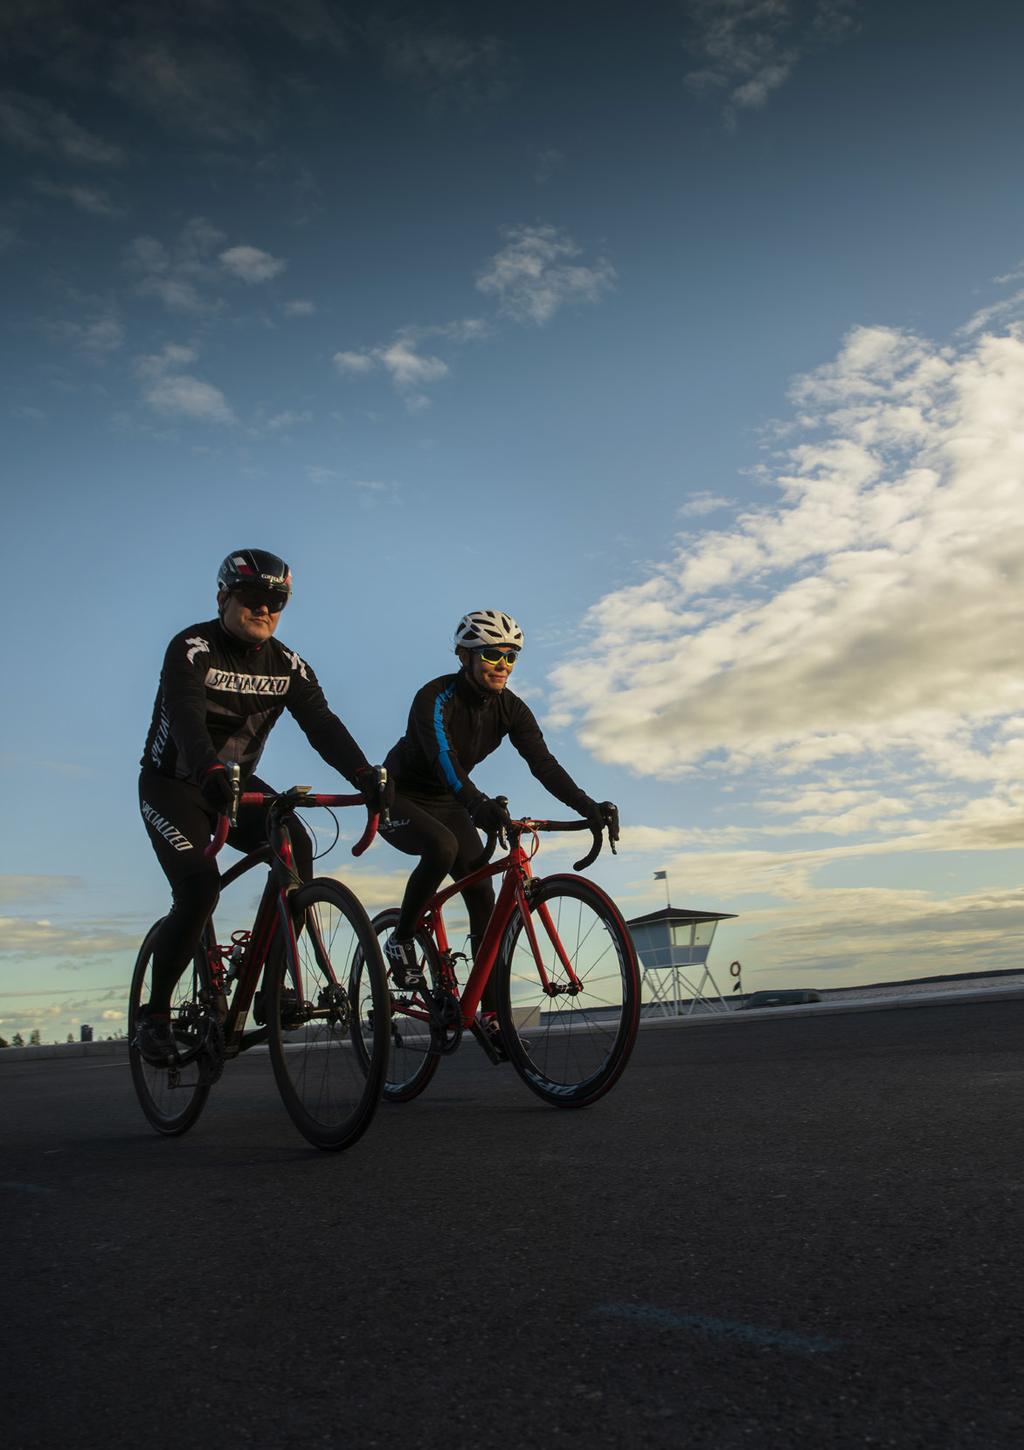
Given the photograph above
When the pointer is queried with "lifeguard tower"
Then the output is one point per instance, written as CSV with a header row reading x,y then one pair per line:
x,y
673,946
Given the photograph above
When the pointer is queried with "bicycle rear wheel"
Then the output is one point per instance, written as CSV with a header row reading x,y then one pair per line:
x,y
579,1030
171,1097
330,1090
410,1063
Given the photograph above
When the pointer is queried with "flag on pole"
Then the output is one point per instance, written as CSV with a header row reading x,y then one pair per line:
x,y
661,875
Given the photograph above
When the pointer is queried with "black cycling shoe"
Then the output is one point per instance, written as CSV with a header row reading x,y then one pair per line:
x,y
154,1038
406,972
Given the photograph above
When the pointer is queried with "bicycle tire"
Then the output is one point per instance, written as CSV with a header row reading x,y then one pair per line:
x,y
576,1045
410,1065
171,1099
330,1092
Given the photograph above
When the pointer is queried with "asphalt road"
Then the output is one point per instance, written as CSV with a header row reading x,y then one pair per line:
x,y
789,1232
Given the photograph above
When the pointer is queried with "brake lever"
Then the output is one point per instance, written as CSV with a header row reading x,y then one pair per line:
x,y
382,780
235,777
502,832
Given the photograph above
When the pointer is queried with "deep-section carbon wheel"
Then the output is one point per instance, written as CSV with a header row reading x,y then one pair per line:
x,y
330,1089
410,1064
570,1030
171,1098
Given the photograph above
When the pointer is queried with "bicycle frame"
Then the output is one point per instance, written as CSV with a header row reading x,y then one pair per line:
x,y
513,895
273,912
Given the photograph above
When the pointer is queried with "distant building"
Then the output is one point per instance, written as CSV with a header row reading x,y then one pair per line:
x,y
86,1032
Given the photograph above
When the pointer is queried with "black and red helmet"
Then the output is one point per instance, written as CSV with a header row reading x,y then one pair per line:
x,y
255,569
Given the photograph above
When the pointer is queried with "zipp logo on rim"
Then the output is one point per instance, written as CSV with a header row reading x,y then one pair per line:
x,y
247,684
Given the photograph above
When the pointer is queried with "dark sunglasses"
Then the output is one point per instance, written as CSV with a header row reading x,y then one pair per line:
x,y
254,598
495,656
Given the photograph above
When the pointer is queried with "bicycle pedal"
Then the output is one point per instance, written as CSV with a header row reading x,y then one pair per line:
x,y
493,1050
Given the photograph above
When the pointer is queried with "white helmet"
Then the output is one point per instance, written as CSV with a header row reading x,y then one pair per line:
x,y
488,626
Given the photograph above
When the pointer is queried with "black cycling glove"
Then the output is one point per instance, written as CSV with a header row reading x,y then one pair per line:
x,y
380,798
490,815
218,792
599,815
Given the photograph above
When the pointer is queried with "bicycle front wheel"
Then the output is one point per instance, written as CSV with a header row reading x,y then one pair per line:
x,y
171,1097
330,1090
411,1064
569,1012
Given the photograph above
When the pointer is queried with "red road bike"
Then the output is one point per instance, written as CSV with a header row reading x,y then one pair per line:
x,y
304,941
567,985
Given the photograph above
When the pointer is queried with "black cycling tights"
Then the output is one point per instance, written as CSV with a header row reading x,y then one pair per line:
x,y
180,823
442,835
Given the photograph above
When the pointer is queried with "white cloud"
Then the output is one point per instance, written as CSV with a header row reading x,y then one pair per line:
x,y
21,889
171,355
874,609
23,939
549,164
179,394
182,396
408,368
444,64
192,84
34,125
535,274
178,274
282,422
299,307
251,265
354,362
98,336
701,503
83,198
749,48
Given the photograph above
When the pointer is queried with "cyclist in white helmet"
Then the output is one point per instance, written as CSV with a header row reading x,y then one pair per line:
x,y
455,722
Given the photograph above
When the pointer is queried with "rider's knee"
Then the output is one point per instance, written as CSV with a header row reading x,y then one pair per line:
x,y
444,848
198,893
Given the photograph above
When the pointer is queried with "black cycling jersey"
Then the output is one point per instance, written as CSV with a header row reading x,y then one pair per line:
x,y
219,698
453,725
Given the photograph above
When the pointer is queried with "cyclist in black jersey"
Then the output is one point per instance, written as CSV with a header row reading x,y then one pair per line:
x,y
454,723
223,685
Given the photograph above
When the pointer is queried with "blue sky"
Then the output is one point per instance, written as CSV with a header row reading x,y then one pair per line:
x,y
690,336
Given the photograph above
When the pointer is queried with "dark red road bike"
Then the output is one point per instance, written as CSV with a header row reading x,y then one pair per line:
x,y
567,983
303,942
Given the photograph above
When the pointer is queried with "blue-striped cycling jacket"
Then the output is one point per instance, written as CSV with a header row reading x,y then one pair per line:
x,y
453,726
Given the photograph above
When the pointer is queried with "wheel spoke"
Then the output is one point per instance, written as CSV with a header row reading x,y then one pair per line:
x,y
171,1098
329,1088
577,1039
410,1065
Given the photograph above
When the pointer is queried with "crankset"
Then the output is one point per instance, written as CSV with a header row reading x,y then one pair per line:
x,y
445,1023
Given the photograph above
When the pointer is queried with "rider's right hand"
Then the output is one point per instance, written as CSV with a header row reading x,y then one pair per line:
x,y
215,784
379,795
491,815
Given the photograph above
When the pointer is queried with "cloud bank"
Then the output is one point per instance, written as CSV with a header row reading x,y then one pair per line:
x,y
868,616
